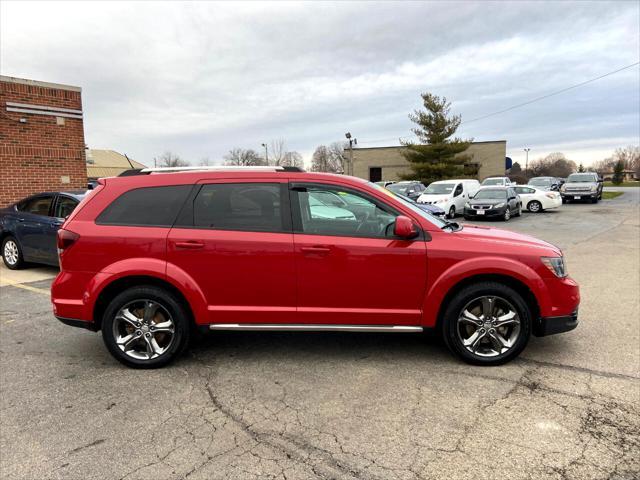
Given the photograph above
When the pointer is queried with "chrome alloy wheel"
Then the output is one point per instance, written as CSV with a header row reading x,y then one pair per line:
x,y
488,326
143,329
10,252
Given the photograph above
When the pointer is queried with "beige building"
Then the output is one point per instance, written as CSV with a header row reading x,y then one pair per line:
x,y
387,163
108,163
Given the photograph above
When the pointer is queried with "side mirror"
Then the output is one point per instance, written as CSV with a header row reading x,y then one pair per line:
x,y
405,228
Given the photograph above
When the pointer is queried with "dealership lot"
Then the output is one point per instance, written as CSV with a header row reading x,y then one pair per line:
x,y
352,406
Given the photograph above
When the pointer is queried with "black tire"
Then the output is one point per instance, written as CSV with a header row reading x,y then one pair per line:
x,y
564,200
167,301
534,206
594,199
519,210
10,242
452,212
449,325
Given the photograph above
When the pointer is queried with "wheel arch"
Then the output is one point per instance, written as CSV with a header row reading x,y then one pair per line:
x,y
119,285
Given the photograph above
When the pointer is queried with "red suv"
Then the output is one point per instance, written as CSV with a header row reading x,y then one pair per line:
x,y
150,257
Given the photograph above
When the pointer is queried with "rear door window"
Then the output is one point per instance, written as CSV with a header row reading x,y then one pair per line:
x,y
40,205
146,207
64,206
256,207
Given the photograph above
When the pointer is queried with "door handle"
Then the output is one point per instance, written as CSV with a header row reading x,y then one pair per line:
x,y
21,220
316,249
189,245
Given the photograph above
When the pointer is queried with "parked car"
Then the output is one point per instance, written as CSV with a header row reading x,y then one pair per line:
x,y
450,195
151,257
501,202
582,186
385,184
29,226
537,200
497,182
411,189
432,209
545,183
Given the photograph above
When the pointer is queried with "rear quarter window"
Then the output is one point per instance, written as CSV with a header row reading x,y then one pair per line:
x,y
147,206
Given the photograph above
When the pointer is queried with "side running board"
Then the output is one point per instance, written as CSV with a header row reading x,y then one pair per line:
x,y
284,327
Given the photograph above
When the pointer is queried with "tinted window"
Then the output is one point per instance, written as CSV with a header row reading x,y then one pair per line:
x,y
150,206
458,190
364,218
239,206
64,206
37,205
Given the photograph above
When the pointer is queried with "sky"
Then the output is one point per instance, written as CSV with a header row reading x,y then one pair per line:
x,y
201,78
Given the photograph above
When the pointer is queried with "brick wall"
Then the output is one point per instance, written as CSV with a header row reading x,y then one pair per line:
x,y
490,156
45,152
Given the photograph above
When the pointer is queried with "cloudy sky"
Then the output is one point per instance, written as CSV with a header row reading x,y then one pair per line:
x,y
201,78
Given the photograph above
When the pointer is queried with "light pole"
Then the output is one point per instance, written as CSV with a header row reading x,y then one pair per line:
x,y
526,163
352,142
266,153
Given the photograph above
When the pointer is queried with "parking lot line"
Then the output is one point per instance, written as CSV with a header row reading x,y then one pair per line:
x,y
41,291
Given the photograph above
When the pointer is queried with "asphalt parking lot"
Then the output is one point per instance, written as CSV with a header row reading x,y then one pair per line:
x,y
339,406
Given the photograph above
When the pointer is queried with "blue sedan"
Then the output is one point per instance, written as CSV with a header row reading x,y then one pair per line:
x,y
28,228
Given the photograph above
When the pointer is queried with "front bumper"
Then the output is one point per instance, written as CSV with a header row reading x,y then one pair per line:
x,y
492,212
551,325
579,195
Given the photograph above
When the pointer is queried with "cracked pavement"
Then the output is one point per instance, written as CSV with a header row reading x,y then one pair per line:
x,y
340,405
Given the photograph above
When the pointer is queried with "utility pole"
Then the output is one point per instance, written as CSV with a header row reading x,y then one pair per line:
x,y
526,163
266,153
352,142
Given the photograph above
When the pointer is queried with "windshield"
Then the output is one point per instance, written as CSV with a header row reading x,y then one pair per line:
x,y
440,188
493,181
401,187
540,181
491,194
426,215
581,177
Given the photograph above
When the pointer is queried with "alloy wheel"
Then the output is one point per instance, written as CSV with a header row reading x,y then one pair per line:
x,y
507,214
143,329
534,207
11,252
488,326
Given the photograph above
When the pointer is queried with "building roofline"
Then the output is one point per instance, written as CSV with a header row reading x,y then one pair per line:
x,y
402,146
37,83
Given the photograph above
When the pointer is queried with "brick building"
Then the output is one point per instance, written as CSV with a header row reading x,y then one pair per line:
x,y
41,138
387,163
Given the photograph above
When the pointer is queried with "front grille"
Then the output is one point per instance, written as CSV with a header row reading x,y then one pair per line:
x,y
578,189
481,207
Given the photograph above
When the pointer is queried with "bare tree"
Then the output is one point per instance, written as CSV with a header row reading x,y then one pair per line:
x,y
337,154
292,159
629,156
168,159
205,162
244,158
553,165
324,160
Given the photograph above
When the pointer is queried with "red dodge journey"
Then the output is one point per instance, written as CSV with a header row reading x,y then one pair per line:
x,y
150,257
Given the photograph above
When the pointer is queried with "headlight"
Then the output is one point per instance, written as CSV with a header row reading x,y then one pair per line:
x,y
556,265
594,188
499,205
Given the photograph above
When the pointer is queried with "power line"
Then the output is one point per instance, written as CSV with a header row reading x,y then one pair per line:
x,y
513,107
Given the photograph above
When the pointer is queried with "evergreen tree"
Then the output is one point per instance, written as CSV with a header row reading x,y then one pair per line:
x,y
581,168
618,170
437,156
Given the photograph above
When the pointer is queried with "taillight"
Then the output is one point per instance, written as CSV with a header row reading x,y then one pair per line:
x,y
551,195
66,238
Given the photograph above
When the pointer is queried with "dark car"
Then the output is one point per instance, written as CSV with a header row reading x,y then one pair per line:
x,y
29,227
545,183
432,209
411,189
501,202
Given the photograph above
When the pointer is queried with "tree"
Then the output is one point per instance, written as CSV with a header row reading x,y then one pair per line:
x,y
205,162
337,156
325,160
437,156
516,169
168,159
553,165
581,168
243,158
292,159
618,172
629,156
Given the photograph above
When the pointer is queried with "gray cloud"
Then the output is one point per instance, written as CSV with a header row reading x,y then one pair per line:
x,y
201,78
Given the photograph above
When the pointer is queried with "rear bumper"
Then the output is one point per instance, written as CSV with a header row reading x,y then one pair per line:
x,y
72,322
552,325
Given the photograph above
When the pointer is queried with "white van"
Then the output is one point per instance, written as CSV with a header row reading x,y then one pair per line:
x,y
450,195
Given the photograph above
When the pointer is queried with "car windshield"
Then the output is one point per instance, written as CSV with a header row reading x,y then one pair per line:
x,y
440,188
540,181
581,177
493,181
417,210
491,194
401,187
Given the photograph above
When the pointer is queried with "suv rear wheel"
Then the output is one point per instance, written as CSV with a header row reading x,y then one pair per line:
x,y
487,323
145,327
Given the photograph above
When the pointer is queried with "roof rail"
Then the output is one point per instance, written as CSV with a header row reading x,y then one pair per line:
x,y
214,168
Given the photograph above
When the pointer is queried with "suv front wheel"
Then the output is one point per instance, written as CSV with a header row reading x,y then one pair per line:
x,y
145,327
487,323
